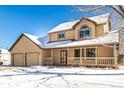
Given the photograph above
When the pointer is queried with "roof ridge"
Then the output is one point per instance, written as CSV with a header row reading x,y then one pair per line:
x,y
87,17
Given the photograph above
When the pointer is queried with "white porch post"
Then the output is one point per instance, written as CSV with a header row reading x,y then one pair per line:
x,y
40,58
96,58
85,54
80,56
115,56
51,56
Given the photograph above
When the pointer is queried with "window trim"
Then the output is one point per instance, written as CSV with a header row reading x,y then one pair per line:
x,y
89,49
78,52
85,36
84,48
60,35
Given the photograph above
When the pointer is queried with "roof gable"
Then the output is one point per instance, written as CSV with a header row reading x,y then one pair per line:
x,y
32,38
83,19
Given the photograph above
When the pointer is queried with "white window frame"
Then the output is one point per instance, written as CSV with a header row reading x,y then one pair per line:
x,y
85,29
61,33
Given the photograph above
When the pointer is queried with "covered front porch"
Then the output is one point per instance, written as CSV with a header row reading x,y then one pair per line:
x,y
82,56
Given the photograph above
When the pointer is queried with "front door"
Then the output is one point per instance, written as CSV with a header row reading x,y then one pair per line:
x,y
63,56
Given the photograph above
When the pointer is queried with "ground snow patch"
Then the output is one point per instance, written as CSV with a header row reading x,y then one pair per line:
x,y
56,76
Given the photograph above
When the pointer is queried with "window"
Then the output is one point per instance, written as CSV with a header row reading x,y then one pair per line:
x,y
82,52
91,52
61,35
84,32
77,52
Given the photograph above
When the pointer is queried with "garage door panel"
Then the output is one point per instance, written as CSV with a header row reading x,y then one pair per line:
x,y
18,60
32,59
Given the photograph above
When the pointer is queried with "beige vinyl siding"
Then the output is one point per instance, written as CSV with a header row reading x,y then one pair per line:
x,y
102,29
46,53
104,51
69,34
107,27
56,56
99,30
54,36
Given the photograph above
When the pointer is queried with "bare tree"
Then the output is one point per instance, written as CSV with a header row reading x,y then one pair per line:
x,y
87,8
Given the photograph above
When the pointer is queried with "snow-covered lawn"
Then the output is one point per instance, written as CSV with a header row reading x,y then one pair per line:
x,y
51,76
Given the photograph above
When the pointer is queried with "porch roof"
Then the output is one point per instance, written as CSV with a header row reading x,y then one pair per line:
x,y
110,38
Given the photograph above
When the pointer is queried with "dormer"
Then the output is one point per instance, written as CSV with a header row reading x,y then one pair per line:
x,y
85,28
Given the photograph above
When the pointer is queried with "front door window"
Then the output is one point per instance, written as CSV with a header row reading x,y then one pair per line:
x,y
63,56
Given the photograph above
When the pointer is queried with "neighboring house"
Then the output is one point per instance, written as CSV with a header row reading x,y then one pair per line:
x,y
4,56
83,42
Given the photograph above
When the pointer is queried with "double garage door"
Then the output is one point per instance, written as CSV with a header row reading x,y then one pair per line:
x,y
29,59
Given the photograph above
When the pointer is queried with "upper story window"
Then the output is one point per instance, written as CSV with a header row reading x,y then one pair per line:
x,y
85,32
61,35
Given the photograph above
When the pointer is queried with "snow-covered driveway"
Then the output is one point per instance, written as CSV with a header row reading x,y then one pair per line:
x,y
51,76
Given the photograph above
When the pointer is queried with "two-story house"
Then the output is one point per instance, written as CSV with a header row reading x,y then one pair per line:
x,y
83,42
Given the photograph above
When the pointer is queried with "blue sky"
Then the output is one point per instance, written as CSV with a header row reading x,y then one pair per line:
x,y
37,20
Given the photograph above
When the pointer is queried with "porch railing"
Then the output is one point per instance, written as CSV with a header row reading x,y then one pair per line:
x,y
86,61
92,61
47,61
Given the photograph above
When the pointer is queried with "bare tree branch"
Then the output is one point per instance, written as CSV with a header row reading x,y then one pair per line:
x,y
118,8
88,8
